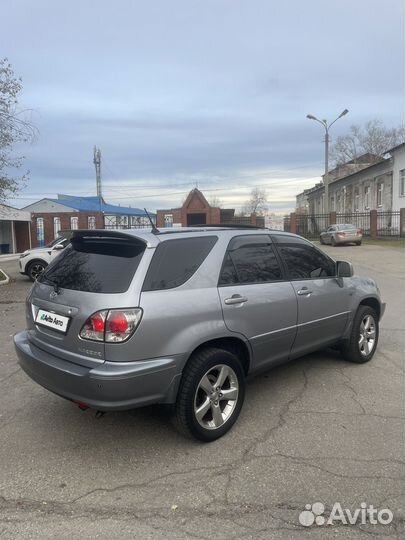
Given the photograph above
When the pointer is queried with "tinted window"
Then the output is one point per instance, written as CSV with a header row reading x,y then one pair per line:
x,y
175,261
306,262
253,261
228,272
98,265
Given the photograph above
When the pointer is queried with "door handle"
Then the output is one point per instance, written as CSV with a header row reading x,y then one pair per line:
x,y
235,299
304,292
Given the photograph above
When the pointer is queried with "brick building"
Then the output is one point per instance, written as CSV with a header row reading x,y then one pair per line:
x,y
196,210
49,216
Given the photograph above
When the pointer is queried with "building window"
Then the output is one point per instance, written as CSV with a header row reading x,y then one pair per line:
x,y
139,222
332,203
74,223
380,191
344,199
56,226
168,219
367,198
356,199
402,183
40,232
91,222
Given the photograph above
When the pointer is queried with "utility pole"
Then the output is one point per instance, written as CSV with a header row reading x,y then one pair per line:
x,y
326,126
97,164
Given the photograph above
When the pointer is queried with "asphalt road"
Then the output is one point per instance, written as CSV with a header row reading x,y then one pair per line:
x,y
316,430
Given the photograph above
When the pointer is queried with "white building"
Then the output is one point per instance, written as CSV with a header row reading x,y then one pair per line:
x,y
15,235
398,176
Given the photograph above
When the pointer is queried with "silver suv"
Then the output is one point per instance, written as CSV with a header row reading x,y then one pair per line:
x,y
182,317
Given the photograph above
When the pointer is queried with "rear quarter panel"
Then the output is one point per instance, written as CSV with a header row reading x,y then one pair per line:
x,y
176,321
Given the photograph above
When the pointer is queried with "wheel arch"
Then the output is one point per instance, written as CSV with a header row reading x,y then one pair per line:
x,y
31,263
36,260
373,303
232,344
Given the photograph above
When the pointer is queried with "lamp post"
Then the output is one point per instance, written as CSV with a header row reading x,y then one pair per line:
x,y
326,127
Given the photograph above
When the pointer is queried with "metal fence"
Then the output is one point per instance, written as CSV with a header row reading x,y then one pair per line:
x,y
244,220
310,226
115,227
361,220
388,224
384,224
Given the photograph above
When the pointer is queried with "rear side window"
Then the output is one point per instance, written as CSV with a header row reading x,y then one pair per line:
x,y
175,261
250,260
102,265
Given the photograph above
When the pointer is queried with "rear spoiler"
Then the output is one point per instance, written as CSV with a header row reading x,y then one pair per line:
x,y
100,234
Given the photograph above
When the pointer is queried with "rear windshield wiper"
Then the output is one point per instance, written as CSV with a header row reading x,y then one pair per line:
x,y
55,284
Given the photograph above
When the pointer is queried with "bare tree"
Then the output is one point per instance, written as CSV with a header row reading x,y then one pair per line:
x,y
373,138
257,203
216,202
14,128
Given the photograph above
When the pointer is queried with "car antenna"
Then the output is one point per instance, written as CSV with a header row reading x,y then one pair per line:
x,y
155,230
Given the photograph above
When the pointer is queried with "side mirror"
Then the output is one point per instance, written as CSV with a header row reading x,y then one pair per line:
x,y
344,269
59,246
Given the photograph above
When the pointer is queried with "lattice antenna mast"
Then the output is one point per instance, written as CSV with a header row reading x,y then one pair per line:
x,y
97,165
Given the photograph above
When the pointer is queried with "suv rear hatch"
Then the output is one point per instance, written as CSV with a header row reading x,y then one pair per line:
x,y
94,273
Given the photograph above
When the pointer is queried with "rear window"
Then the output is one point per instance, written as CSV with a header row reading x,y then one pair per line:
x,y
345,227
103,265
175,261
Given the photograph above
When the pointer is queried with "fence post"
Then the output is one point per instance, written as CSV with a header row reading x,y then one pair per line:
x,y
293,222
332,218
402,222
373,224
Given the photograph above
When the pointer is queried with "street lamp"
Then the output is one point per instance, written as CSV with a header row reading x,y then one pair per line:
x,y
327,127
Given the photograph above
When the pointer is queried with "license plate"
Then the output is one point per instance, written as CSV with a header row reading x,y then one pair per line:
x,y
52,320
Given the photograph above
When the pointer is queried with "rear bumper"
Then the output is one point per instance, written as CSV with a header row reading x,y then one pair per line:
x,y
348,239
109,386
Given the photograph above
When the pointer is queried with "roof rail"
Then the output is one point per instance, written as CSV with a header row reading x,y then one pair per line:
x,y
231,226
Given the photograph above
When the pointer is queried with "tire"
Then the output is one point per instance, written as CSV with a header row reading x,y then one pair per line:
x,y
333,242
358,243
35,269
357,349
204,369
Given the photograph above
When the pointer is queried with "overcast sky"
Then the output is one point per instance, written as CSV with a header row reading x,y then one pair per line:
x,y
176,92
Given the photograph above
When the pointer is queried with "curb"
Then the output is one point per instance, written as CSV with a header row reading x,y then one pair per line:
x,y
4,281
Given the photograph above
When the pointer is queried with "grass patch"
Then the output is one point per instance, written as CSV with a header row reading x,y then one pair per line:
x,y
3,276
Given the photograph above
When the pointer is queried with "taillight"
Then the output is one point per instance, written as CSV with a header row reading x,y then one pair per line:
x,y
94,327
121,324
113,326
359,231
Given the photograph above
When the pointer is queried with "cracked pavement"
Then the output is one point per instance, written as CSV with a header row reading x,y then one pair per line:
x,y
317,429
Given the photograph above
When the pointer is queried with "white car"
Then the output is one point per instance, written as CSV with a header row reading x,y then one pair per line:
x,y
34,261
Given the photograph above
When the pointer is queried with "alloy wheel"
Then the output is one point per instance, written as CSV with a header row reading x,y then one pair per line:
x,y
216,396
367,335
36,270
